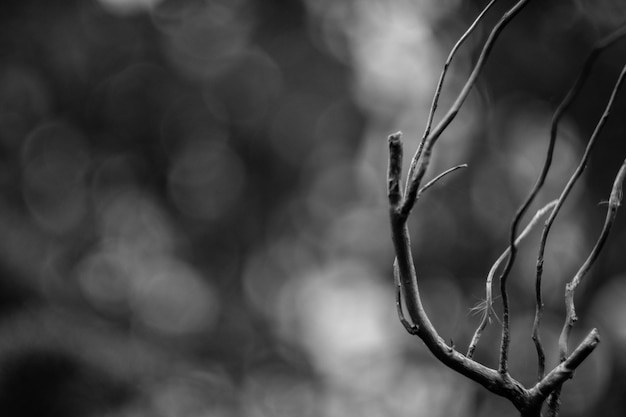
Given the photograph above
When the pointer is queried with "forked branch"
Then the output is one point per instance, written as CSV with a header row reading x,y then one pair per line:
x,y
421,159
442,77
615,201
488,307
554,124
402,200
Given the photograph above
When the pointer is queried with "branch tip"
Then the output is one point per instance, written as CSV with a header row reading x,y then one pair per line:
x,y
396,136
437,178
394,172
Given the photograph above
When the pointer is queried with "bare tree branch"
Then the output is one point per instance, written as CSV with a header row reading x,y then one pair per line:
x,y
421,160
488,307
571,182
565,370
438,177
615,201
422,327
446,65
556,118
528,401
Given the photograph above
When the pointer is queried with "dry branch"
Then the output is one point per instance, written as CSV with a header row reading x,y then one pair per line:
x,y
528,401
421,159
488,307
558,114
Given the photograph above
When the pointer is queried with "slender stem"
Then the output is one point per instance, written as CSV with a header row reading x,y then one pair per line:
x,y
438,177
488,307
444,72
421,160
577,173
558,114
455,48
615,201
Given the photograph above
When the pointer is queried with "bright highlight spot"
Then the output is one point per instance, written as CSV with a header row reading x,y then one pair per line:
x,y
126,7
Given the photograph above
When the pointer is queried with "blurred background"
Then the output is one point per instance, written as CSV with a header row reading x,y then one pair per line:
x,y
193,218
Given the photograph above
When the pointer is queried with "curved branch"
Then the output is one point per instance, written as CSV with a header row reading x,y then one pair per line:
x,y
438,177
615,200
488,307
422,326
616,196
577,173
565,370
446,65
421,160
556,118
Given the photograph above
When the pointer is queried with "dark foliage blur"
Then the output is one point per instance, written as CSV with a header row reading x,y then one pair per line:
x,y
193,219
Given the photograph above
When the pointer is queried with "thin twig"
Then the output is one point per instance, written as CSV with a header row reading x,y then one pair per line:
x,y
555,397
419,165
558,114
615,201
446,65
438,177
435,102
573,179
488,305
577,173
